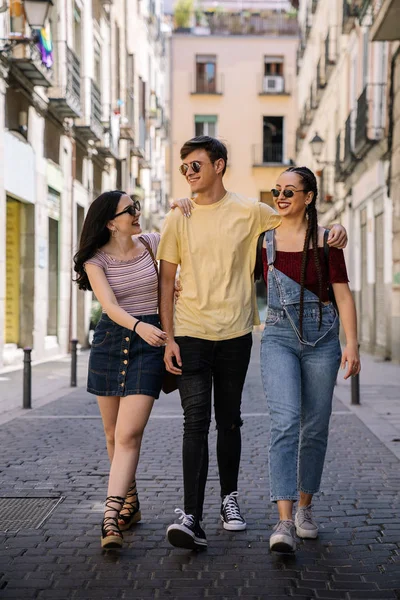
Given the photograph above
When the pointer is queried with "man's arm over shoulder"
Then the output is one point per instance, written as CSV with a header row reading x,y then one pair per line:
x,y
268,217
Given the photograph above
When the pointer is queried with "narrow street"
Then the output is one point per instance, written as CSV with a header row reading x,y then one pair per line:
x,y
57,452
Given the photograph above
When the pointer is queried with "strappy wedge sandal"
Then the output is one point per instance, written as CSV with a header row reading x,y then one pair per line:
x,y
111,536
131,509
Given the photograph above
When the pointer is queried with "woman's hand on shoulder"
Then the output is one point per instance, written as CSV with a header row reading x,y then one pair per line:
x,y
150,334
337,237
185,205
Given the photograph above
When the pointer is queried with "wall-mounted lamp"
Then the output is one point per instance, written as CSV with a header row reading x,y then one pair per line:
x,y
37,12
317,144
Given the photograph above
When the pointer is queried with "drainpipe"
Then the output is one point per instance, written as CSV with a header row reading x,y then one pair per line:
x,y
391,116
73,226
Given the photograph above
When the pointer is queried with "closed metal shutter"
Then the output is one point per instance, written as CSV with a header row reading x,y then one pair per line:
x,y
380,313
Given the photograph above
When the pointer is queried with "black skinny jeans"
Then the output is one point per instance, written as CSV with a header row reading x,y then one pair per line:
x,y
225,364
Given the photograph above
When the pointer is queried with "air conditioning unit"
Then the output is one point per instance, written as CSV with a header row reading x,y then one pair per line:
x,y
274,84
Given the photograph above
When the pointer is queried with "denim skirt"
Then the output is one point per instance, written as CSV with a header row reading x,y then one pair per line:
x,y
121,363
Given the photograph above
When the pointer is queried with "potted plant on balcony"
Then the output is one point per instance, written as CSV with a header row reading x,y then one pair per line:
x,y
183,11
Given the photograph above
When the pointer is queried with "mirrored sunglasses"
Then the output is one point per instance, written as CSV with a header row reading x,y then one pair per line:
x,y
195,166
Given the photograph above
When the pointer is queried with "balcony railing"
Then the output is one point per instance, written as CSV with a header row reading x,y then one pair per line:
x,y
275,85
338,159
109,145
267,153
369,10
245,22
202,85
370,117
331,51
65,95
28,59
89,126
349,156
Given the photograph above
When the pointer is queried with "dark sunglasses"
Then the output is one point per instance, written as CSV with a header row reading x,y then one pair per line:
x,y
286,193
131,209
195,166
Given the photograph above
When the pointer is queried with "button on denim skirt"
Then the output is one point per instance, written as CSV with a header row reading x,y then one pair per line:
x,y
121,363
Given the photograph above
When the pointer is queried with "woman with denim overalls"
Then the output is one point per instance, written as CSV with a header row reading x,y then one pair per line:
x,y
300,351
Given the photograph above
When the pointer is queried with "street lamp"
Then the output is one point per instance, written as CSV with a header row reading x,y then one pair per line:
x,y
317,144
36,12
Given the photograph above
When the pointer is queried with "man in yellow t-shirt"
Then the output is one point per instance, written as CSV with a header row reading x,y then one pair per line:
x,y
209,340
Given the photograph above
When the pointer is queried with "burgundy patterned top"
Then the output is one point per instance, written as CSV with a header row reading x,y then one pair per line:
x,y
290,264
134,282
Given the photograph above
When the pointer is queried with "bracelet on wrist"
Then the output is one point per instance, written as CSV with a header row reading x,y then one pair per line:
x,y
135,325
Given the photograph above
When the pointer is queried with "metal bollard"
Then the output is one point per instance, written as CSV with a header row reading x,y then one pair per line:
x,y
74,351
355,387
27,393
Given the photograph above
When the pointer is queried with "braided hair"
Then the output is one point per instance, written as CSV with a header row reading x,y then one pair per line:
x,y
310,185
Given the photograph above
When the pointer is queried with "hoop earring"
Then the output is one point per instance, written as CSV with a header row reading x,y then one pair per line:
x,y
114,233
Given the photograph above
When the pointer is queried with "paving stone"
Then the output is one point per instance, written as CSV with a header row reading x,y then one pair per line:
x,y
356,556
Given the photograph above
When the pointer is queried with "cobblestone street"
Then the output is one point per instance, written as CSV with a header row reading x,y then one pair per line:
x,y
58,451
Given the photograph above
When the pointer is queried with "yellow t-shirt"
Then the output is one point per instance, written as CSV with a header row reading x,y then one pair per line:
x,y
216,251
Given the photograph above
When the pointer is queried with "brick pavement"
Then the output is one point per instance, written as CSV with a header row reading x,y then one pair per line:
x,y
58,449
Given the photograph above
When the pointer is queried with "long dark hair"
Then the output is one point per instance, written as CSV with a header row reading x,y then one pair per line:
x,y
95,233
310,185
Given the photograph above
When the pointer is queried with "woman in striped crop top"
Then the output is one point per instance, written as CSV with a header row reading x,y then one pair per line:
x,y
126,365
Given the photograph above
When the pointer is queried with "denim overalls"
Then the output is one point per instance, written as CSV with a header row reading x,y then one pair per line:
x,y
299,375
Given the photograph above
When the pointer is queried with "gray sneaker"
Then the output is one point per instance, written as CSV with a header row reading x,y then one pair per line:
x,y
284,537
306,527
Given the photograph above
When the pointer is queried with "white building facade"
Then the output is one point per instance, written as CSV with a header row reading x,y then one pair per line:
x,y
343,91
73,123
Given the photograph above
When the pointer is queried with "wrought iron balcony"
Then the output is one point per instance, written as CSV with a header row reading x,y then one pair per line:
x,y
89,126
109,144
369,10
202,85
65,95
267,154
331,51
370,117
349,158
321,77
338,159
27,59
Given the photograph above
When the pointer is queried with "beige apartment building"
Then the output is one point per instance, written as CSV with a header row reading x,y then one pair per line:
x,y
345,132
233,77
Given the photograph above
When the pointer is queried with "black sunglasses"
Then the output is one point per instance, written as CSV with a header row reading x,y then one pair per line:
x,y
131,209
194,165
287,193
